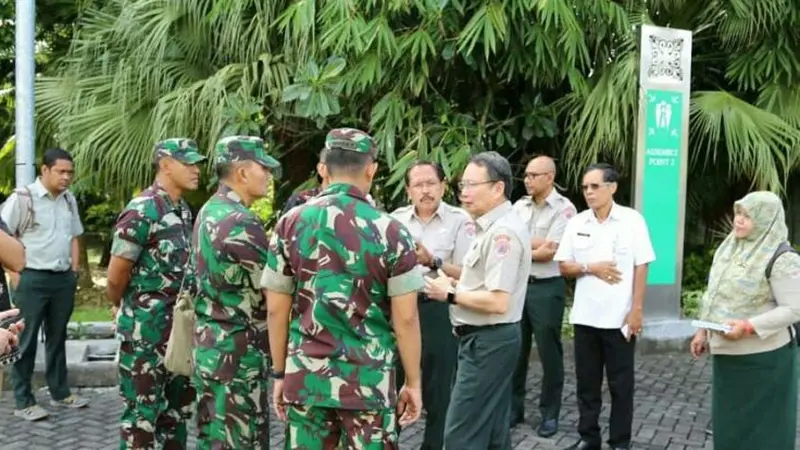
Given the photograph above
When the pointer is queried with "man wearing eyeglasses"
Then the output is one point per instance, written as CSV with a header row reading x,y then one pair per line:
x,y
546,212
443,234
607,248
486,307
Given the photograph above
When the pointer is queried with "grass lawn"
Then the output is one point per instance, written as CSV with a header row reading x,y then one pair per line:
x,y
91,304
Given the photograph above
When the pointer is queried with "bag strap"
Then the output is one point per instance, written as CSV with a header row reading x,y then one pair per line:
x,y
25,209
783,248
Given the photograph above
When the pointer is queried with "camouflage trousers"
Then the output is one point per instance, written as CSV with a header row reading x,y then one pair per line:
x,y
157,403
315,428
232,415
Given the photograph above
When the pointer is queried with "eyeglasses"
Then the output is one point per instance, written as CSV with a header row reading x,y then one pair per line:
x,y
464,185
593,186
533,175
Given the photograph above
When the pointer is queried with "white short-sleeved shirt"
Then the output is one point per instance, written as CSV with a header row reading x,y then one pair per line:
x,y
623,238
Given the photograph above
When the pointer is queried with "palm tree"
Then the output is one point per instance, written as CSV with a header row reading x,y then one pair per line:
x,y
432,79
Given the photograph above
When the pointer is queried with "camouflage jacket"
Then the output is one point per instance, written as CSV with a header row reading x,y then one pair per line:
x,y
153,232
230,253
343,260
300,198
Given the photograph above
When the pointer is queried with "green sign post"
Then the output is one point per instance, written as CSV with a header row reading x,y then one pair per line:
x,y
661,180
661,164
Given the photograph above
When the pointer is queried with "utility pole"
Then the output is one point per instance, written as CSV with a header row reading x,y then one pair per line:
x,y
25,70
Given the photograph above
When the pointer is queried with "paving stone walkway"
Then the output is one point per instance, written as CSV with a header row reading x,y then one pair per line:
x,y
672,413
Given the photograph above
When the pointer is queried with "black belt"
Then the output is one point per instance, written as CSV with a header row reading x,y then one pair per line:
x,y
463,330
51,272
533,280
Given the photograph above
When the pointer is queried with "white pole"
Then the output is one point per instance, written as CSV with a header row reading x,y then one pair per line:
x,y
25,70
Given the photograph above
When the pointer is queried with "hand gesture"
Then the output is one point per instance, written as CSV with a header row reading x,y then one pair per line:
x,y
438,288
424,256
409,405
606,271
277,399
699,343
738,329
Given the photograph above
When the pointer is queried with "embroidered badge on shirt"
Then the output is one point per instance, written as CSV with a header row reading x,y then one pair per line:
x,y
569,212
502,245
470,229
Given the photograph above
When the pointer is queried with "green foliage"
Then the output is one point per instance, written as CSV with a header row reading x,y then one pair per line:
x,y
100,217
690,302
696,266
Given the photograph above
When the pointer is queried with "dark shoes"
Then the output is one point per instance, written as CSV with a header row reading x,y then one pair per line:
x,y
583,445
547,428
516,419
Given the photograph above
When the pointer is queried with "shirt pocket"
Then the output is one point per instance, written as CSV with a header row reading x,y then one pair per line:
x,y
582,248
171,248
472,257
623,254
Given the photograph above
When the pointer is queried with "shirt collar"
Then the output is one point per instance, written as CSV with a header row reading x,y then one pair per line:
x,y
346,189
225,191
40,191
440,211
486,220
160,191
614,214
549,201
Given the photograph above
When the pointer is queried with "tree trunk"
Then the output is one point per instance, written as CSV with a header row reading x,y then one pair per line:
x,y
85,280
105,259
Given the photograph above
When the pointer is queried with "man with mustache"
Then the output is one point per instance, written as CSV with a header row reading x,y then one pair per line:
x,y
546,212
443,234
149,266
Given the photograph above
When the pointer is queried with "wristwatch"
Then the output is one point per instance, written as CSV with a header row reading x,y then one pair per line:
x,y
276,375
584,269
436,263
451,298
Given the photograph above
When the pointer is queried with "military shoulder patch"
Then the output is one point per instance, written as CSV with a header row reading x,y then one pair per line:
x,y
501,245
569,212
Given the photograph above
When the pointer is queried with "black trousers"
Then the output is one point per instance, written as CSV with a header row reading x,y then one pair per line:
x,y
597,349
477,417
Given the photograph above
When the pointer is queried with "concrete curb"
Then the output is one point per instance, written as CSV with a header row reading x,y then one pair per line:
x,y
92,348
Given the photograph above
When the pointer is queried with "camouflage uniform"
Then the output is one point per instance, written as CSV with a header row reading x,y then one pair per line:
x,y
231,348
345,260
154,232
300,198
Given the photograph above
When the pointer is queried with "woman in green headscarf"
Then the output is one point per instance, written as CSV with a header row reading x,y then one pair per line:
x,y
754,384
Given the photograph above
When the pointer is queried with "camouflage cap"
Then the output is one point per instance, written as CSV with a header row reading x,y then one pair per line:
x,y
183,149
245,148
350,139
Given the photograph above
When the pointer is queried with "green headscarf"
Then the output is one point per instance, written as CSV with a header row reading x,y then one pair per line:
x,y
737,283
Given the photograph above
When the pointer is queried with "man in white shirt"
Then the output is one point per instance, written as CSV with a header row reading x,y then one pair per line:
x,y
608,249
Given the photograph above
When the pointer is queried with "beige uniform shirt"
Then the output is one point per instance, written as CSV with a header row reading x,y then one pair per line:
x,y
546,221
499,259
447,235
48,243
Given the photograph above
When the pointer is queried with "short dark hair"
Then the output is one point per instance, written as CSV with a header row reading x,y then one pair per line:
x,y
610,173
52,155
340,161
420,163
497,167
225,169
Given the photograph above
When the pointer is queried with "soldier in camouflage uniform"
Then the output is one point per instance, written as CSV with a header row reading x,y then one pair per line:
x,y
231,351
149,264
342,295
